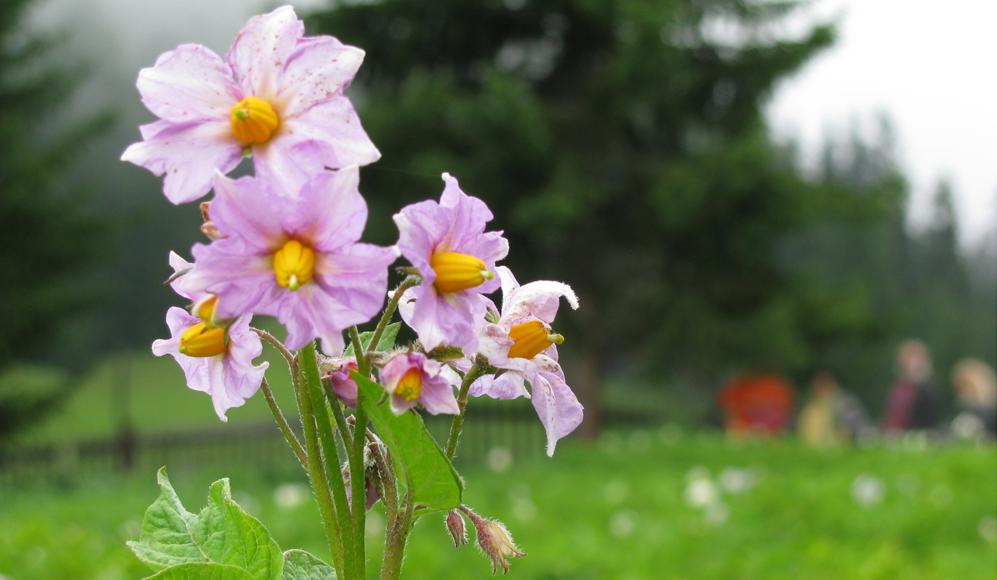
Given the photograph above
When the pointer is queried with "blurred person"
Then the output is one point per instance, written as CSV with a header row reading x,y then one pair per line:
x,y
757,404
832,415
914,402
975,385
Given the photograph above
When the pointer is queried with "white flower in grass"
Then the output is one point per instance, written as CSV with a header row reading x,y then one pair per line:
x,y
499,459
623,524
988,529
701,492
290,495
734,480
867,490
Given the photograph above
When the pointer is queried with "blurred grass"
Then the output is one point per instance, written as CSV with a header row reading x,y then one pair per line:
x,y
616,509
158,399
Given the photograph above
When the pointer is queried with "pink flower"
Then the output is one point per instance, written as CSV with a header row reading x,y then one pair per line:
x,y
523,344
447,243
216,360
277,94
411,378
343,385
295,257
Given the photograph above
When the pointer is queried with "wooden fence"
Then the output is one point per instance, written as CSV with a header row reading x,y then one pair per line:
x,y
260,447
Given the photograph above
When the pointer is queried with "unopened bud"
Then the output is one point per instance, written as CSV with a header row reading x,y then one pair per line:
x,y
494,540
455,525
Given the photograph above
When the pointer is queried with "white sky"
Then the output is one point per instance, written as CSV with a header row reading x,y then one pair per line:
x,y
931,66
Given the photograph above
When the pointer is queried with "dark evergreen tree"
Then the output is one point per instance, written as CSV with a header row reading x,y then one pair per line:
x,y
49,237
623,147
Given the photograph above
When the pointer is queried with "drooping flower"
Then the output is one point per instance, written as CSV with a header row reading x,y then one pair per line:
x,y
295,257
456,527
217,360
277,94
447,243
412,378
522,343
494,540
341,381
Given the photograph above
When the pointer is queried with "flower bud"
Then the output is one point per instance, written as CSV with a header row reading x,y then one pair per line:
x,y
341,381
494,540
455,525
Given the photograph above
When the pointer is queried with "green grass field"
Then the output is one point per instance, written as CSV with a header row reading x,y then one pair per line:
x,y
158,399
653,504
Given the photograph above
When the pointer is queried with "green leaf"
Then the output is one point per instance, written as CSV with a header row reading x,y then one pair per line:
x,y
300,565
222,533
166,538
386,342
202,571
388,337
418,460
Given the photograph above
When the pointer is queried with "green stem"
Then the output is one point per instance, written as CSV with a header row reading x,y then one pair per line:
x,y
358,473
309,368
362,366
337,413
472,374
395,539
316,470
389,311
285,429
278,345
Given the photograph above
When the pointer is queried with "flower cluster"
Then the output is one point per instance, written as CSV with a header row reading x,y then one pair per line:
x,y
285,241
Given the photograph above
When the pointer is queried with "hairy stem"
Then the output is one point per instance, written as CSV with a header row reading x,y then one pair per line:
x,y
278,345
472,374
395,539
389,311
316,469
358,474
285,429
309,369
337,414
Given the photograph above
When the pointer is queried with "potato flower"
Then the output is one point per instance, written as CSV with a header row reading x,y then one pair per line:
x,y
522,344
277,95
448,245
